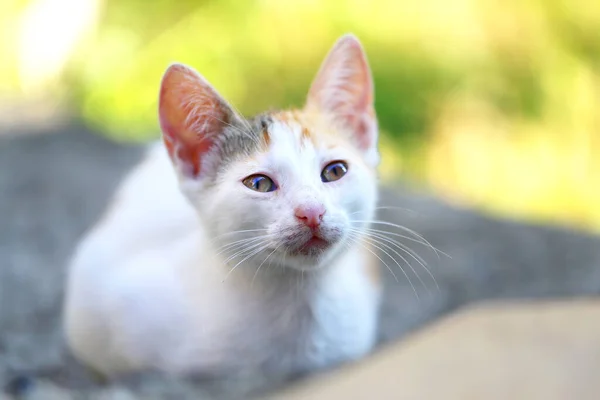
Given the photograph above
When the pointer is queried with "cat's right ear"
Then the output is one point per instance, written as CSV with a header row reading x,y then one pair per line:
x,y
343,90
191,114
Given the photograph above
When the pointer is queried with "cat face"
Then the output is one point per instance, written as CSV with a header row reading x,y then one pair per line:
x,y
292,188
297,194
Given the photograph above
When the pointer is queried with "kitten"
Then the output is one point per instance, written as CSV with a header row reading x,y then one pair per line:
x,y
238,244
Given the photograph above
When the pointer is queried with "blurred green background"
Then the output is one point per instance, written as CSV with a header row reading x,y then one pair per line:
x,y
494,104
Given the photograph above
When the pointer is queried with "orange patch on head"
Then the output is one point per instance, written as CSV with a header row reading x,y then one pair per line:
x,y
316,128
266,137
288,116
312,124
306,134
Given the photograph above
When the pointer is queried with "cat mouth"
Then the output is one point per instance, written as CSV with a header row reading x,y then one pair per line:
x,y
315,242
314,246
309,245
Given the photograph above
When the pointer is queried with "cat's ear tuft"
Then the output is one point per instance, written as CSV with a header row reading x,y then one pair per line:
x,y
191,114
343,89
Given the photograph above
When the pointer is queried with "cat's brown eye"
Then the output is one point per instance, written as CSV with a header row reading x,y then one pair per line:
x,y
334,171
260,183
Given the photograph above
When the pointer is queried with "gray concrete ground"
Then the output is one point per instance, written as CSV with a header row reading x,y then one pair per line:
x,y
54,185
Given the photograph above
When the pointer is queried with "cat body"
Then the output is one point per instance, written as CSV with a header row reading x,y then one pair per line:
x,y
237,243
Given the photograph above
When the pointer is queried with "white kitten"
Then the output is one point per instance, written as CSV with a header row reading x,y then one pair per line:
x,y
261,262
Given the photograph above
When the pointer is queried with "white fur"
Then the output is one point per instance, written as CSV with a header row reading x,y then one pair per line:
x,y
148,289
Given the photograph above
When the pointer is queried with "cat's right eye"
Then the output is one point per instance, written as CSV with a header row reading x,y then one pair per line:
x,y
260,183
334,171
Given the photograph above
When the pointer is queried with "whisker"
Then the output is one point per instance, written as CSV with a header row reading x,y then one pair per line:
x,y
240,240
241,252
271,261
371,242
412,239
350,237
436,251
378,240
261,264
405,248
238,243
397,208
389,207
253,253
282,261
379,222
356,212
423,241
241,231
416,257
409,252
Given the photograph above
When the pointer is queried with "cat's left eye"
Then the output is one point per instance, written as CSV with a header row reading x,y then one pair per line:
x,y
334,171
260,183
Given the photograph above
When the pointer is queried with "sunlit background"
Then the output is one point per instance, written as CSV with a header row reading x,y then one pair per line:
x,y
494,104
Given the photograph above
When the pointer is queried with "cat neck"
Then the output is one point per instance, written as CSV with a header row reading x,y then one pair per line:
x,y
280,285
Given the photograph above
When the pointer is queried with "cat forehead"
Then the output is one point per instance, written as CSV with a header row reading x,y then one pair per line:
x,y
283,137
296,140
288,134
299,130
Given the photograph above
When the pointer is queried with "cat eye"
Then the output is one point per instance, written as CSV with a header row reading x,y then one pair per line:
x,y
334,171
260,183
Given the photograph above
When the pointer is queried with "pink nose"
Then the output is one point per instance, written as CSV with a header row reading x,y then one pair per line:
x,y
310,216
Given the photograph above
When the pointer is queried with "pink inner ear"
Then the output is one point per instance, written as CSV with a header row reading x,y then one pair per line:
x,y
366,128
191,114
343,89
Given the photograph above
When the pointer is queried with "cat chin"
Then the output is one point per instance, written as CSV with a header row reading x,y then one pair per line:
x,y
307,261
312,259
311,263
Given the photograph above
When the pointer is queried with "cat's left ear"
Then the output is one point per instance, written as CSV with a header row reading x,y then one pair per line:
x,y
192,115
343,89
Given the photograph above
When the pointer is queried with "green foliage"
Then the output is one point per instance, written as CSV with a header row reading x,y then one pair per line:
x,y
493,102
